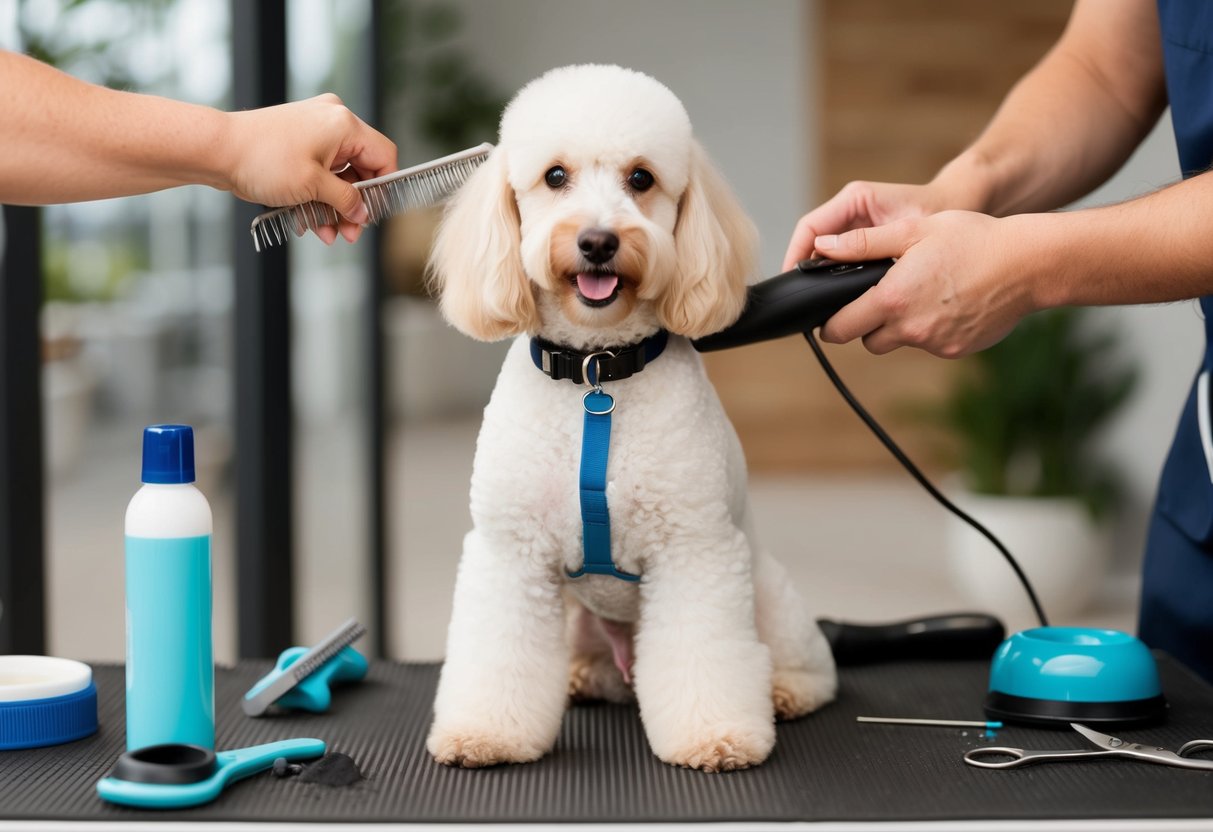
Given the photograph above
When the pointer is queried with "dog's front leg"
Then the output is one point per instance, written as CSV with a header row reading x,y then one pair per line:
x,y
503,687
702,677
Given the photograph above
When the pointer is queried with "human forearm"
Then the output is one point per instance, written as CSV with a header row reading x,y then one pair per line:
x,y
1067,126
65,140
1072,121
1153,249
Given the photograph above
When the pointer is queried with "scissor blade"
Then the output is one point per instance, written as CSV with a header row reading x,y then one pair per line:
x,y
1145,753
1102,740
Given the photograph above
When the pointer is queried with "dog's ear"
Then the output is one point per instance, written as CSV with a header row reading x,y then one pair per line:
x,y
475,262
716,246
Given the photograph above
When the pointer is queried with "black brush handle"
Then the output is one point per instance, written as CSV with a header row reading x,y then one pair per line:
x,y
797,301
956,636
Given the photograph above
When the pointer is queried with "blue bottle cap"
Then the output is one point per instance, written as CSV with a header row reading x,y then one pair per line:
x,y
168,454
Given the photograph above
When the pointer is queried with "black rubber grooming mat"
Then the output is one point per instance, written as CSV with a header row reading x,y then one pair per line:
x,y
825,767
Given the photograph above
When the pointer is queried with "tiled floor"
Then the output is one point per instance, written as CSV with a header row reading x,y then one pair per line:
x,y
859,548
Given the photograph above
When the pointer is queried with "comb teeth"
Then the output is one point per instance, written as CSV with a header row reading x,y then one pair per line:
x,y
417,187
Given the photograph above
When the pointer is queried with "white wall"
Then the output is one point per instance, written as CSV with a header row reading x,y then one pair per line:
x,y
738,68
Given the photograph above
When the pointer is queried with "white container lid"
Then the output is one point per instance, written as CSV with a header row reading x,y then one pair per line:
x,y
24,678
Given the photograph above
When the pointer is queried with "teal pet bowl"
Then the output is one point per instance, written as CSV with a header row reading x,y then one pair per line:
x,y
1052,676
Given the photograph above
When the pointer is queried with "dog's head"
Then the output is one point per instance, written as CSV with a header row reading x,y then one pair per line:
x,y
597,219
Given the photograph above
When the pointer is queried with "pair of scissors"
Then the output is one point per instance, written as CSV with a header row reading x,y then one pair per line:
x,y
1105,746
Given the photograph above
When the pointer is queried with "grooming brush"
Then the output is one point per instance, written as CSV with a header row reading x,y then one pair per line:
x,y
287,677
417,187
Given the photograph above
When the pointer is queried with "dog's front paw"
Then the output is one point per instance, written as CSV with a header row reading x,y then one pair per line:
x,y
477,748
725,750
797,692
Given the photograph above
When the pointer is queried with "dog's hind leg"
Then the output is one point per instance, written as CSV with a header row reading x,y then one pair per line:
x,y
803,677
502,692
601,656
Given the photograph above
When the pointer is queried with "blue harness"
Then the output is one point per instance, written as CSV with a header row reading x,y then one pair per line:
x,y
595,368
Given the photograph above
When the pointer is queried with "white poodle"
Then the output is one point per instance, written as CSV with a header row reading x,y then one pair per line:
x,y
595,227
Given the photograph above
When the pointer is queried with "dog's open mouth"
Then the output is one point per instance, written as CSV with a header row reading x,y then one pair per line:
x,y
596,289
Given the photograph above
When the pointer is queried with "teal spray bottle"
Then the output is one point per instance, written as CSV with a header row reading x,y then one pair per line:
x,y
170,687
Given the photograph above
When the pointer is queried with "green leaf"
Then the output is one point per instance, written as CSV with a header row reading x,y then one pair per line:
x,y
1031,405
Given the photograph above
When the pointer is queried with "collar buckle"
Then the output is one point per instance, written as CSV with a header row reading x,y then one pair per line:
x,y
593,361
597,366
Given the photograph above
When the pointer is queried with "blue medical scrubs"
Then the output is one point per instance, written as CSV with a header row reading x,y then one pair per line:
x,y
1177,587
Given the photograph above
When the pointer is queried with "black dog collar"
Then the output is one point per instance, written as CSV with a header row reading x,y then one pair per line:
x,y
612,364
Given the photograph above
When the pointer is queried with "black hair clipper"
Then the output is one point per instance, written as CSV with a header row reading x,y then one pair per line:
x,y
797,301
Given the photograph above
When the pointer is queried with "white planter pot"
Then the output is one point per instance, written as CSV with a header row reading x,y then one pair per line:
x,y
1055,541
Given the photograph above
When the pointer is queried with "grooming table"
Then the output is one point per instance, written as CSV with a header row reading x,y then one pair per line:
x,y
825,768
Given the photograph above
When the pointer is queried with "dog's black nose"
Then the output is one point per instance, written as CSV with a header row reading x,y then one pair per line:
x,y
597,244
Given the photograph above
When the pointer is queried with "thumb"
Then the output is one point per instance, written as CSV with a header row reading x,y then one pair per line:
x,y
335,191
867,243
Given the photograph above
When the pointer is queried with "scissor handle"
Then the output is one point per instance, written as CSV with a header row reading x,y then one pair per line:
x,y
1020,757
974,757
1195,745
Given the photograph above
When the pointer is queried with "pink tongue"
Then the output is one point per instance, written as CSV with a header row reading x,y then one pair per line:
x,y
596,286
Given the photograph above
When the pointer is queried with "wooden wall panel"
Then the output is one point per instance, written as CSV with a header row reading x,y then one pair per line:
x,y
903,86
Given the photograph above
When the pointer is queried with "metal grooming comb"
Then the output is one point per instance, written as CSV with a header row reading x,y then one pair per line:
x,y
417,187
278,682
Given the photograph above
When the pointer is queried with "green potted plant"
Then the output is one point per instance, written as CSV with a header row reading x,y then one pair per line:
x,y
1025,415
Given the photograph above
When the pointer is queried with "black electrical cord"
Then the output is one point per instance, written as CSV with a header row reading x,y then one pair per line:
x,y
908,464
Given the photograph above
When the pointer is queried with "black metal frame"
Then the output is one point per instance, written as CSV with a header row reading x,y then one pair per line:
x,y
264,485
22,561
375,362
264,513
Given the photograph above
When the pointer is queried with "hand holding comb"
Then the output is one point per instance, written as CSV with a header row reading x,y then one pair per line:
x,y
417,187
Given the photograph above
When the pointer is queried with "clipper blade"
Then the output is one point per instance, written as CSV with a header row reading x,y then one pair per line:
x,y
417,187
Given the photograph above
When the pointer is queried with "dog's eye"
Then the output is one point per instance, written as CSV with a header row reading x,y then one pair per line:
x,y
555,177
640,180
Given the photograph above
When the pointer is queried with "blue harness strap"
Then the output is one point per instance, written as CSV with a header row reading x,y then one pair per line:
x,y
595,515
593,368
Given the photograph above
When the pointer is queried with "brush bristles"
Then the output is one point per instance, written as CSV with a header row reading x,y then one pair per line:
x,y
386,196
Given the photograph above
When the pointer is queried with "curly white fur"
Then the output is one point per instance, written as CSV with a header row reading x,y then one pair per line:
x,y
722,643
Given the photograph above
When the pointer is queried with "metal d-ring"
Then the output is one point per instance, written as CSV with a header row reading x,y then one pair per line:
x,y
585,367
597,388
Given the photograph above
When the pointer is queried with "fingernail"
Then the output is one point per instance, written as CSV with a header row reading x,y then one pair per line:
x,y
826,241
359,215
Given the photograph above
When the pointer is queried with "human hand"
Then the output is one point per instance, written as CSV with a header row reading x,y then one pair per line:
x,y
299,152
960,284
861,205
